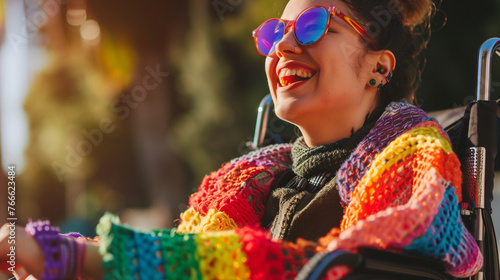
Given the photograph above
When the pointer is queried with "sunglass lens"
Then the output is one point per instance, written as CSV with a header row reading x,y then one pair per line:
x,y
269,35
311,25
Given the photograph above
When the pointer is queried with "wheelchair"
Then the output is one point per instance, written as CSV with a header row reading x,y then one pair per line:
x,y
473,132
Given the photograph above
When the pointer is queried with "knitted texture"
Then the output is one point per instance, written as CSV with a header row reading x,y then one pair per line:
x,y
131,254
268,259
221,254
194,222
443,235
116,243
49,240
244,253
268,156
397,118
329,156
180,253
403,195
400,187
238,189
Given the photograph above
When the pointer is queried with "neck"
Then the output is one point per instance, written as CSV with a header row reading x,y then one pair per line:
x,y
329,131
317,139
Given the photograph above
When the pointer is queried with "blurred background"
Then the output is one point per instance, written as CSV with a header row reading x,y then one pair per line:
x,y
124,106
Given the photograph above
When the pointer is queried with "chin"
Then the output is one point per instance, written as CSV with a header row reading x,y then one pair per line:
x,y
287,113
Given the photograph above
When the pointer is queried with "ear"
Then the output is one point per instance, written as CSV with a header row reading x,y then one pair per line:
x,y
387,61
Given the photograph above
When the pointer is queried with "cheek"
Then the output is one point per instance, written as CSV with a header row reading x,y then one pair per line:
x,y
340,83
338,97
270,66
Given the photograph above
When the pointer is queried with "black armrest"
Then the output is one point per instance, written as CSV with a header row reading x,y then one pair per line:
x,y
369,263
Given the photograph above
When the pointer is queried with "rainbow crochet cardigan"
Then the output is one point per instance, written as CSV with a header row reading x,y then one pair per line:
x,y
400,188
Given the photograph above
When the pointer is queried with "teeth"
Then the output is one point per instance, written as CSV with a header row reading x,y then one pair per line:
x,y
303,73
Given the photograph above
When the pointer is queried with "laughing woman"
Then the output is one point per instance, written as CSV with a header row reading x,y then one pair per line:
x,y
369,169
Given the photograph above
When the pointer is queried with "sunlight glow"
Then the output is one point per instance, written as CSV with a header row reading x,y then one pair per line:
x,y
76,17
90,30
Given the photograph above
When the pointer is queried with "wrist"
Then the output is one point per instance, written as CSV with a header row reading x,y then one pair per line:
x,y
92,261
63,256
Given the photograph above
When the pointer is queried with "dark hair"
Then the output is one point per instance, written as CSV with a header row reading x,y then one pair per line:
x,y
401,26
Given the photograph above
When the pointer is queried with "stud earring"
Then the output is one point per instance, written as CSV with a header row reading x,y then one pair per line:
x,y
380,85
373,82
381,70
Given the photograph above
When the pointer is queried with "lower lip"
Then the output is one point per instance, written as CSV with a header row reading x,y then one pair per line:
x,y
292,85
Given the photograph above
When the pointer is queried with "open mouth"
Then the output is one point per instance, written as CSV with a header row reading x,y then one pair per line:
x,y
289,76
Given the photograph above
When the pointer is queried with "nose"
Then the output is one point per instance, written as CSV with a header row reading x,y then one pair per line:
x,y
288,44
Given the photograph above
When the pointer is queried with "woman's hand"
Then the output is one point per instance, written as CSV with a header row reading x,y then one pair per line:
x,y
4,248
29,259
19,253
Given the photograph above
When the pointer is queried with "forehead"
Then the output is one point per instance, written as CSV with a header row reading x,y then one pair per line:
x,y
295,7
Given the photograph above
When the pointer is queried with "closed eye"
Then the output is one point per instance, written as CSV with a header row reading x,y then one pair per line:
x,y
334,26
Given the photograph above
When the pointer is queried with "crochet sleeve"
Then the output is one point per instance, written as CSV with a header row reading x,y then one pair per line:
x,y
218,234
408,198
243,253
234,196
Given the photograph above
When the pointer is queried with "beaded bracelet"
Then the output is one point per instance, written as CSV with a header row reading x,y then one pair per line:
x,y
63,255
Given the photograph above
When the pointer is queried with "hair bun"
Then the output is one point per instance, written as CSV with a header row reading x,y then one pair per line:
x,y
414,12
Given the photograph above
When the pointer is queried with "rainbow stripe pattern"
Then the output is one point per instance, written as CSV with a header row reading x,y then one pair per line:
x,y
400,188
402,192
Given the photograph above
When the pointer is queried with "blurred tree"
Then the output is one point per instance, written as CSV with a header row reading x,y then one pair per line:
x,y
72,131
222,79
109,115
163,173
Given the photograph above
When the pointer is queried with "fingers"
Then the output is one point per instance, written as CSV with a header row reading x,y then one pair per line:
x,y
29,253
22,274
4,237
7,248
20,252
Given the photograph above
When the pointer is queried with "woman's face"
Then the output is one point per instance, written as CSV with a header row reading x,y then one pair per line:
x,y
324,86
